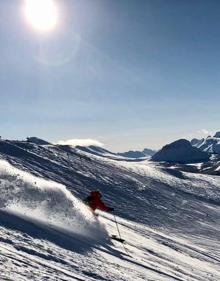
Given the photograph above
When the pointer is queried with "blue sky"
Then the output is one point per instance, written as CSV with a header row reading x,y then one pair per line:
x,y
129,73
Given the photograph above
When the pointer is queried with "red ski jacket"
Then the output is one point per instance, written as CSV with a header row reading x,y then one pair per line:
x,y
94,201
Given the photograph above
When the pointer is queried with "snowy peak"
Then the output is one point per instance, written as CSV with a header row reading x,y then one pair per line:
x,y
180,151
197,142
210,144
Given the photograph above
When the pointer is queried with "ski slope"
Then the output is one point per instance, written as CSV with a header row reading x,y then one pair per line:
x,y
169,219
34,251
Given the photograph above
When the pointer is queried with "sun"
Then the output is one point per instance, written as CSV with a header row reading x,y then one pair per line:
x,y
41,14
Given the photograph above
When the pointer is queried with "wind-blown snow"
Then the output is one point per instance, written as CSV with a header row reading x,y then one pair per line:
x,y
80,142
46,201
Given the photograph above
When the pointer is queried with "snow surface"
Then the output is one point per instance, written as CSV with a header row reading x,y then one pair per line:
x,y
169,219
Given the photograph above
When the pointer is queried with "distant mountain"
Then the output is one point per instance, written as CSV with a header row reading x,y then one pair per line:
x,y
197,142
138,154
100,151
210,144
37,141
95,150
217,135
180,151
132,154
149,152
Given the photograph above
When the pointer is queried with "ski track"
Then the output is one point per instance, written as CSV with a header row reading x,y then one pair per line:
x,y
152,256
169,219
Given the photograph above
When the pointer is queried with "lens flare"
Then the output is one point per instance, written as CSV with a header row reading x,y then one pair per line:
x,y
41,14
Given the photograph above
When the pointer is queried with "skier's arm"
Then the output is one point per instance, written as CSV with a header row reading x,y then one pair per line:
x,y
103,207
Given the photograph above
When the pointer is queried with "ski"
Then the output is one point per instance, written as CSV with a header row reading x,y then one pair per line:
x,y
114,237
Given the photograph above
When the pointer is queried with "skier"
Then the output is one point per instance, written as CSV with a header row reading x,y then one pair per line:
x,y
94,202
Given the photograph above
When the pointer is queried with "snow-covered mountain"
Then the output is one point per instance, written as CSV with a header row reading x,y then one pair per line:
x,y
149,152
210,144
100,151
132,154
138,154
129,155
37,141
96,150
168,218
180,151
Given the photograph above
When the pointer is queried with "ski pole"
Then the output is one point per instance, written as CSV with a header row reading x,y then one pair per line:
x,y
117,227
120,236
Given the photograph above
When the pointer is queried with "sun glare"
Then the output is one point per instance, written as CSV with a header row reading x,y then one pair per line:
x,y
41,14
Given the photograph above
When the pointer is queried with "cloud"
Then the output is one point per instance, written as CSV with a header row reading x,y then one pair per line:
x,y
205,132
81,142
